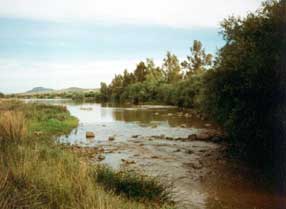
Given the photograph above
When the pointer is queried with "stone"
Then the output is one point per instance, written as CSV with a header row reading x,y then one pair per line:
x,y
111,138
170,114
203,136
101,149
156,113
89,134
216,139
189,151
192,137
183,126
208,125
196,165
38,133
128,161
169,138
162,136
100,157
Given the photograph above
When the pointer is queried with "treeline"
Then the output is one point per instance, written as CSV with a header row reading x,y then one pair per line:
x,y
175,82
77,96
243,89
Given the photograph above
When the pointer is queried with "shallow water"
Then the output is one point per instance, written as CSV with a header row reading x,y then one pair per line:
x,y
216,183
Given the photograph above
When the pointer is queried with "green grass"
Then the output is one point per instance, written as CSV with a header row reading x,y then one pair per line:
x,y
37,173
133,185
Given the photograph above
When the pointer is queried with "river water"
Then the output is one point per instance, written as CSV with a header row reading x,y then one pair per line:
x,y
200,173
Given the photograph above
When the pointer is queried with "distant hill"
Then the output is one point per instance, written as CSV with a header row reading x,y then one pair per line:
x,y
42,90
72,89
39,90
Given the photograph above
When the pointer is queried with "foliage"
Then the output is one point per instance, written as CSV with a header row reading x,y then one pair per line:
x,y
198,61
167,84
246,90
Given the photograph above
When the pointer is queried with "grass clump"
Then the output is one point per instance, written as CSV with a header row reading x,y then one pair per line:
x,y
132,184
12,126
37,173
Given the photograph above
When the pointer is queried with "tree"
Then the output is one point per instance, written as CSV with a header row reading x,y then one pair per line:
x,y
246,91
172,68
154,73
104,91
140,72
198,61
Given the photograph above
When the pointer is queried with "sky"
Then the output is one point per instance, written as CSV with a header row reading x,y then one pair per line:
x,y
65,43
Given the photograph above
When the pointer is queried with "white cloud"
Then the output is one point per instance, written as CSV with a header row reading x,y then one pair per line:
x,y
176,13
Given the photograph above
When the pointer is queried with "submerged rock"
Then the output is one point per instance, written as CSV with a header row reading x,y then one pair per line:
x,y
100,157
111,138
192,137
216,139
196,165
128,161
89,134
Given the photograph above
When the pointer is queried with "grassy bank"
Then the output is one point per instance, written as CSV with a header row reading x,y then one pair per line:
x,y
38,173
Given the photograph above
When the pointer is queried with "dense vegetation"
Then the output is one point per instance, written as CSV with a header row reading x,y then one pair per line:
x,y
244,90
38,173
173,83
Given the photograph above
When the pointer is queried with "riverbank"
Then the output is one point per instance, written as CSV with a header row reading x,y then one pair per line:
x,y
36,172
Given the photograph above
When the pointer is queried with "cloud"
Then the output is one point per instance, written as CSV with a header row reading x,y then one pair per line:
x,y
175,13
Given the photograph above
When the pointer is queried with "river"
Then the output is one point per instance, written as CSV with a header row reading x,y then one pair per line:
x,y
152,140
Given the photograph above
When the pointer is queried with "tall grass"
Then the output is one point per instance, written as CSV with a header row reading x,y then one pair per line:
x,y
12,126
36,173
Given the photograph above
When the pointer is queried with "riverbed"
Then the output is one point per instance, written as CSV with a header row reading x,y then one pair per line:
x,y
158,141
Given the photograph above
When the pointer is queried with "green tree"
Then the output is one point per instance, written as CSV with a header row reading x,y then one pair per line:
x,y
198,61
246,91
154,73
140,72
172,68
104,91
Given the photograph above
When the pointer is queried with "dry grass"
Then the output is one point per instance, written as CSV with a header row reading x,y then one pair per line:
x,y
12,126
36,173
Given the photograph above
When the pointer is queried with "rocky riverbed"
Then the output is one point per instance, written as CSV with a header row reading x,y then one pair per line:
x,y
197,169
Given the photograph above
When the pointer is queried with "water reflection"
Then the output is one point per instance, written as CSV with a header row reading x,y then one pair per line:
x,y
124,121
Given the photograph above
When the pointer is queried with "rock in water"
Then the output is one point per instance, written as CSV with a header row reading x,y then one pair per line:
x,y
111,138
100,157
192,137
89,134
